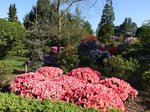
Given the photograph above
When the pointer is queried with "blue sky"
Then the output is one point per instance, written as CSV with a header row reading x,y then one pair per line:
x,y
138,10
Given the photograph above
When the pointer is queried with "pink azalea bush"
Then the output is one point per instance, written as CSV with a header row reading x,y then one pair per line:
x,y
86,74
98,96
83,86
50,72
122,88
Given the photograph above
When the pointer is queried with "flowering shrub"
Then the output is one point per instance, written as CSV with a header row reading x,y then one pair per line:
x,y
34,85
87,75
98,96
89,38
82,86
122,88
111,50
130,40
54,49
50,72
50,60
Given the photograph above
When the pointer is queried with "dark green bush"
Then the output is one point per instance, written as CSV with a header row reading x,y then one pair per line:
x,y
5,73
119,67
84,50
11,103
146,80
68,59
10,34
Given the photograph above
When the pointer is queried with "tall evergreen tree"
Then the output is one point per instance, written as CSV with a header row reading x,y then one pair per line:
x,y
12,13
88,27
30,19
43,9
105,28
41,13
127,28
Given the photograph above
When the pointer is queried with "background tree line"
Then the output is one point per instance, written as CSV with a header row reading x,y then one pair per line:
x,y
39,30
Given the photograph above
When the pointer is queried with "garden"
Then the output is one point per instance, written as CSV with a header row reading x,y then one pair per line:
x,y
73,70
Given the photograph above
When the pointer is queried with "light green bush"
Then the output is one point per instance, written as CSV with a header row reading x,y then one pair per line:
x,y
119,67
10,34
12,103
146,80
68,59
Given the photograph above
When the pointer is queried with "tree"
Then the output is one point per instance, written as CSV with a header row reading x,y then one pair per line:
x,y
105,28
29,19
88,27
143,33
12,13
127,28
68,4
40,13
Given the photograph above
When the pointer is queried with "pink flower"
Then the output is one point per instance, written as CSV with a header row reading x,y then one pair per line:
x,y
86,74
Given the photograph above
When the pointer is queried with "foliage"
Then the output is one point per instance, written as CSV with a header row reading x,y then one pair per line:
x,y
35,59
146,80
5,73
9,102
49,83
39,13
106,24
10,33
119,67
88,27
84,50
12,13
143,33
68,59
17,63
19,50
127,28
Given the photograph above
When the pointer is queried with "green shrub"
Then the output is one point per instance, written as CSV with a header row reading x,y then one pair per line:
x,y
5,73
114,110
119,67
146,80
68,59
12,103
10,34
84,50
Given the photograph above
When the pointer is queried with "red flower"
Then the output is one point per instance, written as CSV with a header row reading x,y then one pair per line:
x,y
89,38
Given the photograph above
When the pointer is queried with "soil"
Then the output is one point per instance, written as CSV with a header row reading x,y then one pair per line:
x,y
139,104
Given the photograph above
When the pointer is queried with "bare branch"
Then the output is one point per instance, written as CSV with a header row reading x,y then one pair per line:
x,y
93,4
69,7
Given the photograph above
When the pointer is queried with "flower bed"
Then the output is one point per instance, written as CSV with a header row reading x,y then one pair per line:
x,y
83,86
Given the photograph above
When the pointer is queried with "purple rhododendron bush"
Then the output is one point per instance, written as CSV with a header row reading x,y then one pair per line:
x,y
83,86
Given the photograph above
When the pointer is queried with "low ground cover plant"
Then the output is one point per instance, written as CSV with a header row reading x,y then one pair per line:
x,y
12,103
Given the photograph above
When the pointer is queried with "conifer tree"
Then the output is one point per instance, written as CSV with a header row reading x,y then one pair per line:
x,y
88,27
105,28
12,13
128,28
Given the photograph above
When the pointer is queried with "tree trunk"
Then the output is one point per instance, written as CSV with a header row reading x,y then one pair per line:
x,y
59,26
